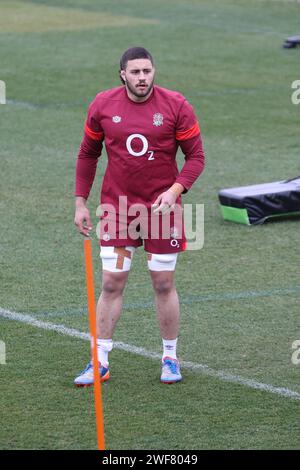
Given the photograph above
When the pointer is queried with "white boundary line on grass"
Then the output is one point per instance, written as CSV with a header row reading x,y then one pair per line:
x,y
202,368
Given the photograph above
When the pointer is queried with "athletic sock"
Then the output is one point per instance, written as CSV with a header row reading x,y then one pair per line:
x,y
104,346
169,346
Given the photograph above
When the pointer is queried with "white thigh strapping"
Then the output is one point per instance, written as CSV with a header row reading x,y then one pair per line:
x,y
166,262
116,259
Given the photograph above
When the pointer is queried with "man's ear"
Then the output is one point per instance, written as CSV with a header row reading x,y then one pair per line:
x,y
122,75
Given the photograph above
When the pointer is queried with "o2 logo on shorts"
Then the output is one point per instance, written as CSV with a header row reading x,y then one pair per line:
x,y
144,150
174,235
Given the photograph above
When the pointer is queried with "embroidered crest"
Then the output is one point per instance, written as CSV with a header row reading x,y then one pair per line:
x,y
117,119
158,119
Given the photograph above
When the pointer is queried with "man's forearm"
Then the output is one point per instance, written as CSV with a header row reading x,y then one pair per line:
x,y
194,162
80,202
86,166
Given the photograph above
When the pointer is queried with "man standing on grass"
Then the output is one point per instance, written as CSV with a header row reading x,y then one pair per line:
x,y
142,126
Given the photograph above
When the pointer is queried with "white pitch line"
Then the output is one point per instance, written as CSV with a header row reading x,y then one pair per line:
x,y
202,368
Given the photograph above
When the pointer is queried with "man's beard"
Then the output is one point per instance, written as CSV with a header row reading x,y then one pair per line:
x,y
140,93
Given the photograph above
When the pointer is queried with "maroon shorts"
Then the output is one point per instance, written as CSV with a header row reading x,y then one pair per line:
x,y
160,234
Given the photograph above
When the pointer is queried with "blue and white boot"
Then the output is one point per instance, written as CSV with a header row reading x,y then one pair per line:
x,y
86,377
170,371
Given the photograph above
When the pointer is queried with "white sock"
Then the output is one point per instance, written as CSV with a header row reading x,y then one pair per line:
x,y
104,346
169,346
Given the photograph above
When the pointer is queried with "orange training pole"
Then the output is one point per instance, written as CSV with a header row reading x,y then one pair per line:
x,y
93,331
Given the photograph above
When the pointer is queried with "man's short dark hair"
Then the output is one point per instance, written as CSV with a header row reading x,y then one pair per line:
x,y
132,54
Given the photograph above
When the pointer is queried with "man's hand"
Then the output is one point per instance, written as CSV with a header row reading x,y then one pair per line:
x,y
82,218
165,202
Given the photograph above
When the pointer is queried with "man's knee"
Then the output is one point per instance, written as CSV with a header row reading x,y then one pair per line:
x,y
114,284
163,285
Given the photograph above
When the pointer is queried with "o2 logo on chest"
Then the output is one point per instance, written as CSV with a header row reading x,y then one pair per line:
x,y
143,144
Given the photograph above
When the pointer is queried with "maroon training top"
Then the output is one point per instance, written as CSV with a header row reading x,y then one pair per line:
x,y
141,141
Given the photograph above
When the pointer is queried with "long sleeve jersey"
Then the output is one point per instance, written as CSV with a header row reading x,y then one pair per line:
x,y
141,141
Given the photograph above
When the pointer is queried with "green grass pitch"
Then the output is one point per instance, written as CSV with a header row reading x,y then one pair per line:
x,y
239,294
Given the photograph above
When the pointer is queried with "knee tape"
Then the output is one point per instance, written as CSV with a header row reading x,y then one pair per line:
x,y
116,259
162,262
